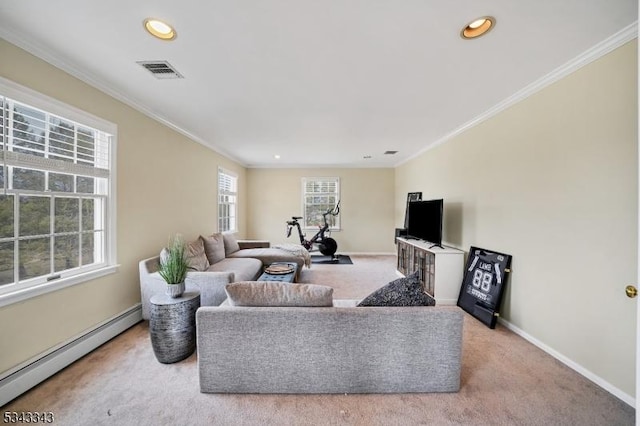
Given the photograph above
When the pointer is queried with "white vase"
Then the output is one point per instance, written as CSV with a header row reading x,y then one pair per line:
x,y
175,290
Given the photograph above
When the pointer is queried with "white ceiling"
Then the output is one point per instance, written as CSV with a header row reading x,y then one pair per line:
x,y
321,83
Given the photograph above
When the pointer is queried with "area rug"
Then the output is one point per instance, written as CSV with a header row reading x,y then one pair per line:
x,y
342,259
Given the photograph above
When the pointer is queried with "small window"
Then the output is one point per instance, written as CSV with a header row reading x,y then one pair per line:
x,y
318,196
227,201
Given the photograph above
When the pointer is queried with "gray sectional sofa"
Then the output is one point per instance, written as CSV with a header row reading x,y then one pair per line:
x,y
216,260
338,349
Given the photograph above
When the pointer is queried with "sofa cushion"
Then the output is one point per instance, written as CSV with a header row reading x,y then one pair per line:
x,y
405,291
269,255
262,293
230,243
244,269
196,258
214,247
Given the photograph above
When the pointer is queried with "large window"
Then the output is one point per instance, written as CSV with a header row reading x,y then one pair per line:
x,y
320,194
227,201
55,193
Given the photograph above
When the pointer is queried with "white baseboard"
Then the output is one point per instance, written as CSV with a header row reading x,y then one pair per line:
x,y
27,375
446,302
628,399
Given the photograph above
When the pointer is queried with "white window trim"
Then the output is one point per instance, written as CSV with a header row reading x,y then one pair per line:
x,y
338,228
235,176
38,100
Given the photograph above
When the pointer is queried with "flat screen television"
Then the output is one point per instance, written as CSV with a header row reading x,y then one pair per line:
x,y
425,220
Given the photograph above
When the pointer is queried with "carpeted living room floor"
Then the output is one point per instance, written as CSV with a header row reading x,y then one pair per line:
x,y
505,381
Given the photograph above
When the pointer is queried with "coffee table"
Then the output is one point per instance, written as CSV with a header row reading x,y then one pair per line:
x,y
289,277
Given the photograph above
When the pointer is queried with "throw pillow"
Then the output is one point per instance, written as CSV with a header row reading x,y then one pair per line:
x,y
196,259
401,292
213,247
230,243
164,255
261,293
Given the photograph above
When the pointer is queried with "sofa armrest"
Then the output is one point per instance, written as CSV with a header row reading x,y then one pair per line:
x,y
249,244
211,285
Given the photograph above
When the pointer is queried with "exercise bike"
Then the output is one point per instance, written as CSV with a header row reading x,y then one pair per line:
x,y
327,245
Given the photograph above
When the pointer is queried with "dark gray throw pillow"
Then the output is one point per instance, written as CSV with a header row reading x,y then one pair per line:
x,y
405,291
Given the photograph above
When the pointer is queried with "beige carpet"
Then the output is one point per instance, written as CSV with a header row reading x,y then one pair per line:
x,y
505,381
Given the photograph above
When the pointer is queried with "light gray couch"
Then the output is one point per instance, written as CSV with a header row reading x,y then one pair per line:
x,y
340,349
245,264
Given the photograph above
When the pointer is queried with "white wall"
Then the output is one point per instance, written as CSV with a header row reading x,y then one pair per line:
x,y
553,182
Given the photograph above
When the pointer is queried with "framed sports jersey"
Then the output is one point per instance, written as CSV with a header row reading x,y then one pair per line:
x,y
411,196
485,277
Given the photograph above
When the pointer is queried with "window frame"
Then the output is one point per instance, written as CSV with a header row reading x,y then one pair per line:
x,y
16,292
337,224
229,193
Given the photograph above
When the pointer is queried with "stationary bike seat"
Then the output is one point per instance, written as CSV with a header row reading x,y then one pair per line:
x,y
296,217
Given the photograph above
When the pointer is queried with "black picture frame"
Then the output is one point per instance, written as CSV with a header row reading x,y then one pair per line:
x,y
411,196
485,278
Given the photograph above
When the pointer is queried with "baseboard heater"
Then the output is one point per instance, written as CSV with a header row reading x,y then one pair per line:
x,y
47,364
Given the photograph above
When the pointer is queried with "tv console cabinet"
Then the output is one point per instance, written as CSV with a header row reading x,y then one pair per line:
x,y
440,269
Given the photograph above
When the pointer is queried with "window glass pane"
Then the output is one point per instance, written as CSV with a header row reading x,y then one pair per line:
x,y
66,252
91,247
28,179
6,263
28,130
87,248
61,139
60,183
67,215
2,112
35,258
101,186
34,215
85,185
86,146
88,214
6,216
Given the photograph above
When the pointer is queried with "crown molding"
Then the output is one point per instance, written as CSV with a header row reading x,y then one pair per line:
x,y
12,37
599,50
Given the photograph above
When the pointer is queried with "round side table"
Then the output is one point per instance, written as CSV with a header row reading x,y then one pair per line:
x,y
172,326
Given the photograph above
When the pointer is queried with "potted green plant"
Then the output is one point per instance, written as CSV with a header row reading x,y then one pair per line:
x,y
173,267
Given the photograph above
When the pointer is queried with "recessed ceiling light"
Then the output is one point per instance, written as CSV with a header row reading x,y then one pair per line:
x,y
159,29
277,156
478,27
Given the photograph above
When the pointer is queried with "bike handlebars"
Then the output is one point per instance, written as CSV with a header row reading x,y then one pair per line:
x,y
335,211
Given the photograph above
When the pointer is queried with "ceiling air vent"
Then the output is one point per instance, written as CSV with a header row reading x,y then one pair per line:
x,y
390,152
161,69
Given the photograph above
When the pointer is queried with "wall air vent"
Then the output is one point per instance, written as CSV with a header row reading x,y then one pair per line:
x,y
390,152
161,69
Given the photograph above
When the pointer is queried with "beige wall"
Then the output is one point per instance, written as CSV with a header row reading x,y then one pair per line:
x,y
166,184
553,181
366,208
